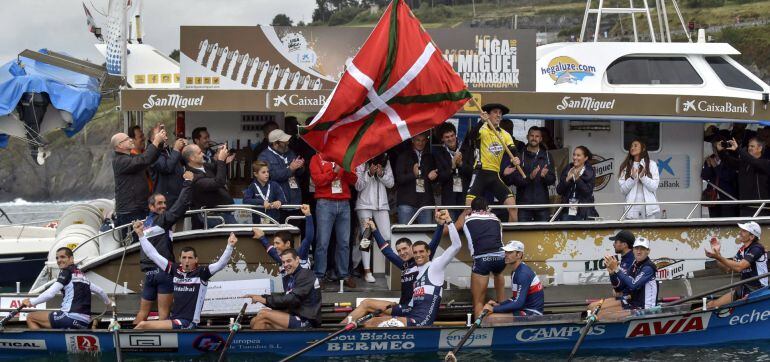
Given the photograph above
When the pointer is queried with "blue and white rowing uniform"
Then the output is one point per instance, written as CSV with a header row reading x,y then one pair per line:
x,y
303,251
75,312
528,297
753,253
639,285
485,242
408,268
189,287
626,261
428,287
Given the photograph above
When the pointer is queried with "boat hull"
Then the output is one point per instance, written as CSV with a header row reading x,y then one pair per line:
x,y
743,322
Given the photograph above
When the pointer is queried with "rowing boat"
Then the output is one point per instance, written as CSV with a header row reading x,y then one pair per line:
x,y
678,326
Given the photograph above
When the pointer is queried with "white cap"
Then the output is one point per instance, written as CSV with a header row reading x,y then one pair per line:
x,y
278,135
643,242
753,228
514,245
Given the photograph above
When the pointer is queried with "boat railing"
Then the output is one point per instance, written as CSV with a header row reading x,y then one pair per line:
x,y
249,209
627,206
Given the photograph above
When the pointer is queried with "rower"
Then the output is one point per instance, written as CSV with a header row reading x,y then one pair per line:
x,y
301,300
484,233
157,284
623,243
750,261
528,296
190,281
283,241
75,312
489,155
638,283
427,291
404,261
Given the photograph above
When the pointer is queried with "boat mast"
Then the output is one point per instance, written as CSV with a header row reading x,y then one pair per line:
x,y
632,11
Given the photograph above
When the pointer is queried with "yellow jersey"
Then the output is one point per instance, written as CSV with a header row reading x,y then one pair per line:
x,y
489,156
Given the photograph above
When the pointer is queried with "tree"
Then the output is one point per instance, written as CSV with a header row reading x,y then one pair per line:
x,y
174,55
282,20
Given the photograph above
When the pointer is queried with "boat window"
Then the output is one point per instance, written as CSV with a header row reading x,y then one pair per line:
x,y
658,70
731,76
647,132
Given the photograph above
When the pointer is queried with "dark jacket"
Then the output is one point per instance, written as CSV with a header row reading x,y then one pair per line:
x,y
163,242
167,173
302,296
582,189
280,173
131,188
209,188
532,191
406,185
446,176
272,191
753,174
723,176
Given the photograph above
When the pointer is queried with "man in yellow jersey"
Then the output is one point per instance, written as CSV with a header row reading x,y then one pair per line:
x,y
489,156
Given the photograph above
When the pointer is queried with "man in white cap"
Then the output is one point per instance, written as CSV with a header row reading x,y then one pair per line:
x,y
750,261
285,166
528,296
640,289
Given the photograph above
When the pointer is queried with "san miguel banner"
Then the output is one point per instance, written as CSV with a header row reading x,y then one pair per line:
x,y
314,58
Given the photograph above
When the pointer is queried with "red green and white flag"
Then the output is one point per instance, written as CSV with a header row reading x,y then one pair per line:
x,y
397,86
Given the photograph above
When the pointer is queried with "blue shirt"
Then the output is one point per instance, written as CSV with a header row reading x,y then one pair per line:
x,y
302,251
754,253
527,292
257,194
640,284
408,268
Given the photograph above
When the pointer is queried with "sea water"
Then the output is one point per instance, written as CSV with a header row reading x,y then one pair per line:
x,y
21,211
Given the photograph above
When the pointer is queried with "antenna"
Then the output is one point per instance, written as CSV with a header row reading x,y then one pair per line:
x,y
632,11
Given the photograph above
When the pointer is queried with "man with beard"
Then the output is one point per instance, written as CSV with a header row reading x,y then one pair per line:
x,y
532,190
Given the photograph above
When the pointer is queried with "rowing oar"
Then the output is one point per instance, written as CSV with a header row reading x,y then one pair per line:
x,y
589,323
233,330
349,327
712,291
10,316
452,355
115,328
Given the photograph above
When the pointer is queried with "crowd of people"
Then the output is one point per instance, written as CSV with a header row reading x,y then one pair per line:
x,y
157,182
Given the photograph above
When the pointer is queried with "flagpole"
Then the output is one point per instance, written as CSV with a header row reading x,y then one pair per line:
x,y
499,138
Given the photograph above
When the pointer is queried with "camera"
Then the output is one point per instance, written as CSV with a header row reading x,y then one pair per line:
x,y
724,144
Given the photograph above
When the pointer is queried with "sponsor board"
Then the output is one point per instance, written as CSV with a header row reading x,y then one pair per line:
x,y
82,343
567,70
754,317
674,171
603,168
172,100
372,341
13,303
688,105
208,342
26,344
294,99
669,269
449,338
555,333
668,326
585,104
154,342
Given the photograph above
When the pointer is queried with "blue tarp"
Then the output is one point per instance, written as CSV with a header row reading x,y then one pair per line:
x,y
69,91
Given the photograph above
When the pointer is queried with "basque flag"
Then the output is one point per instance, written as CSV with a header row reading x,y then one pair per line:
x,y
397,86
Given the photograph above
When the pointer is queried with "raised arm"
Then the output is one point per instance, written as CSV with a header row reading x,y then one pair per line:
x,y
304,246
153,254
437,235
446,257
225,258
387,250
